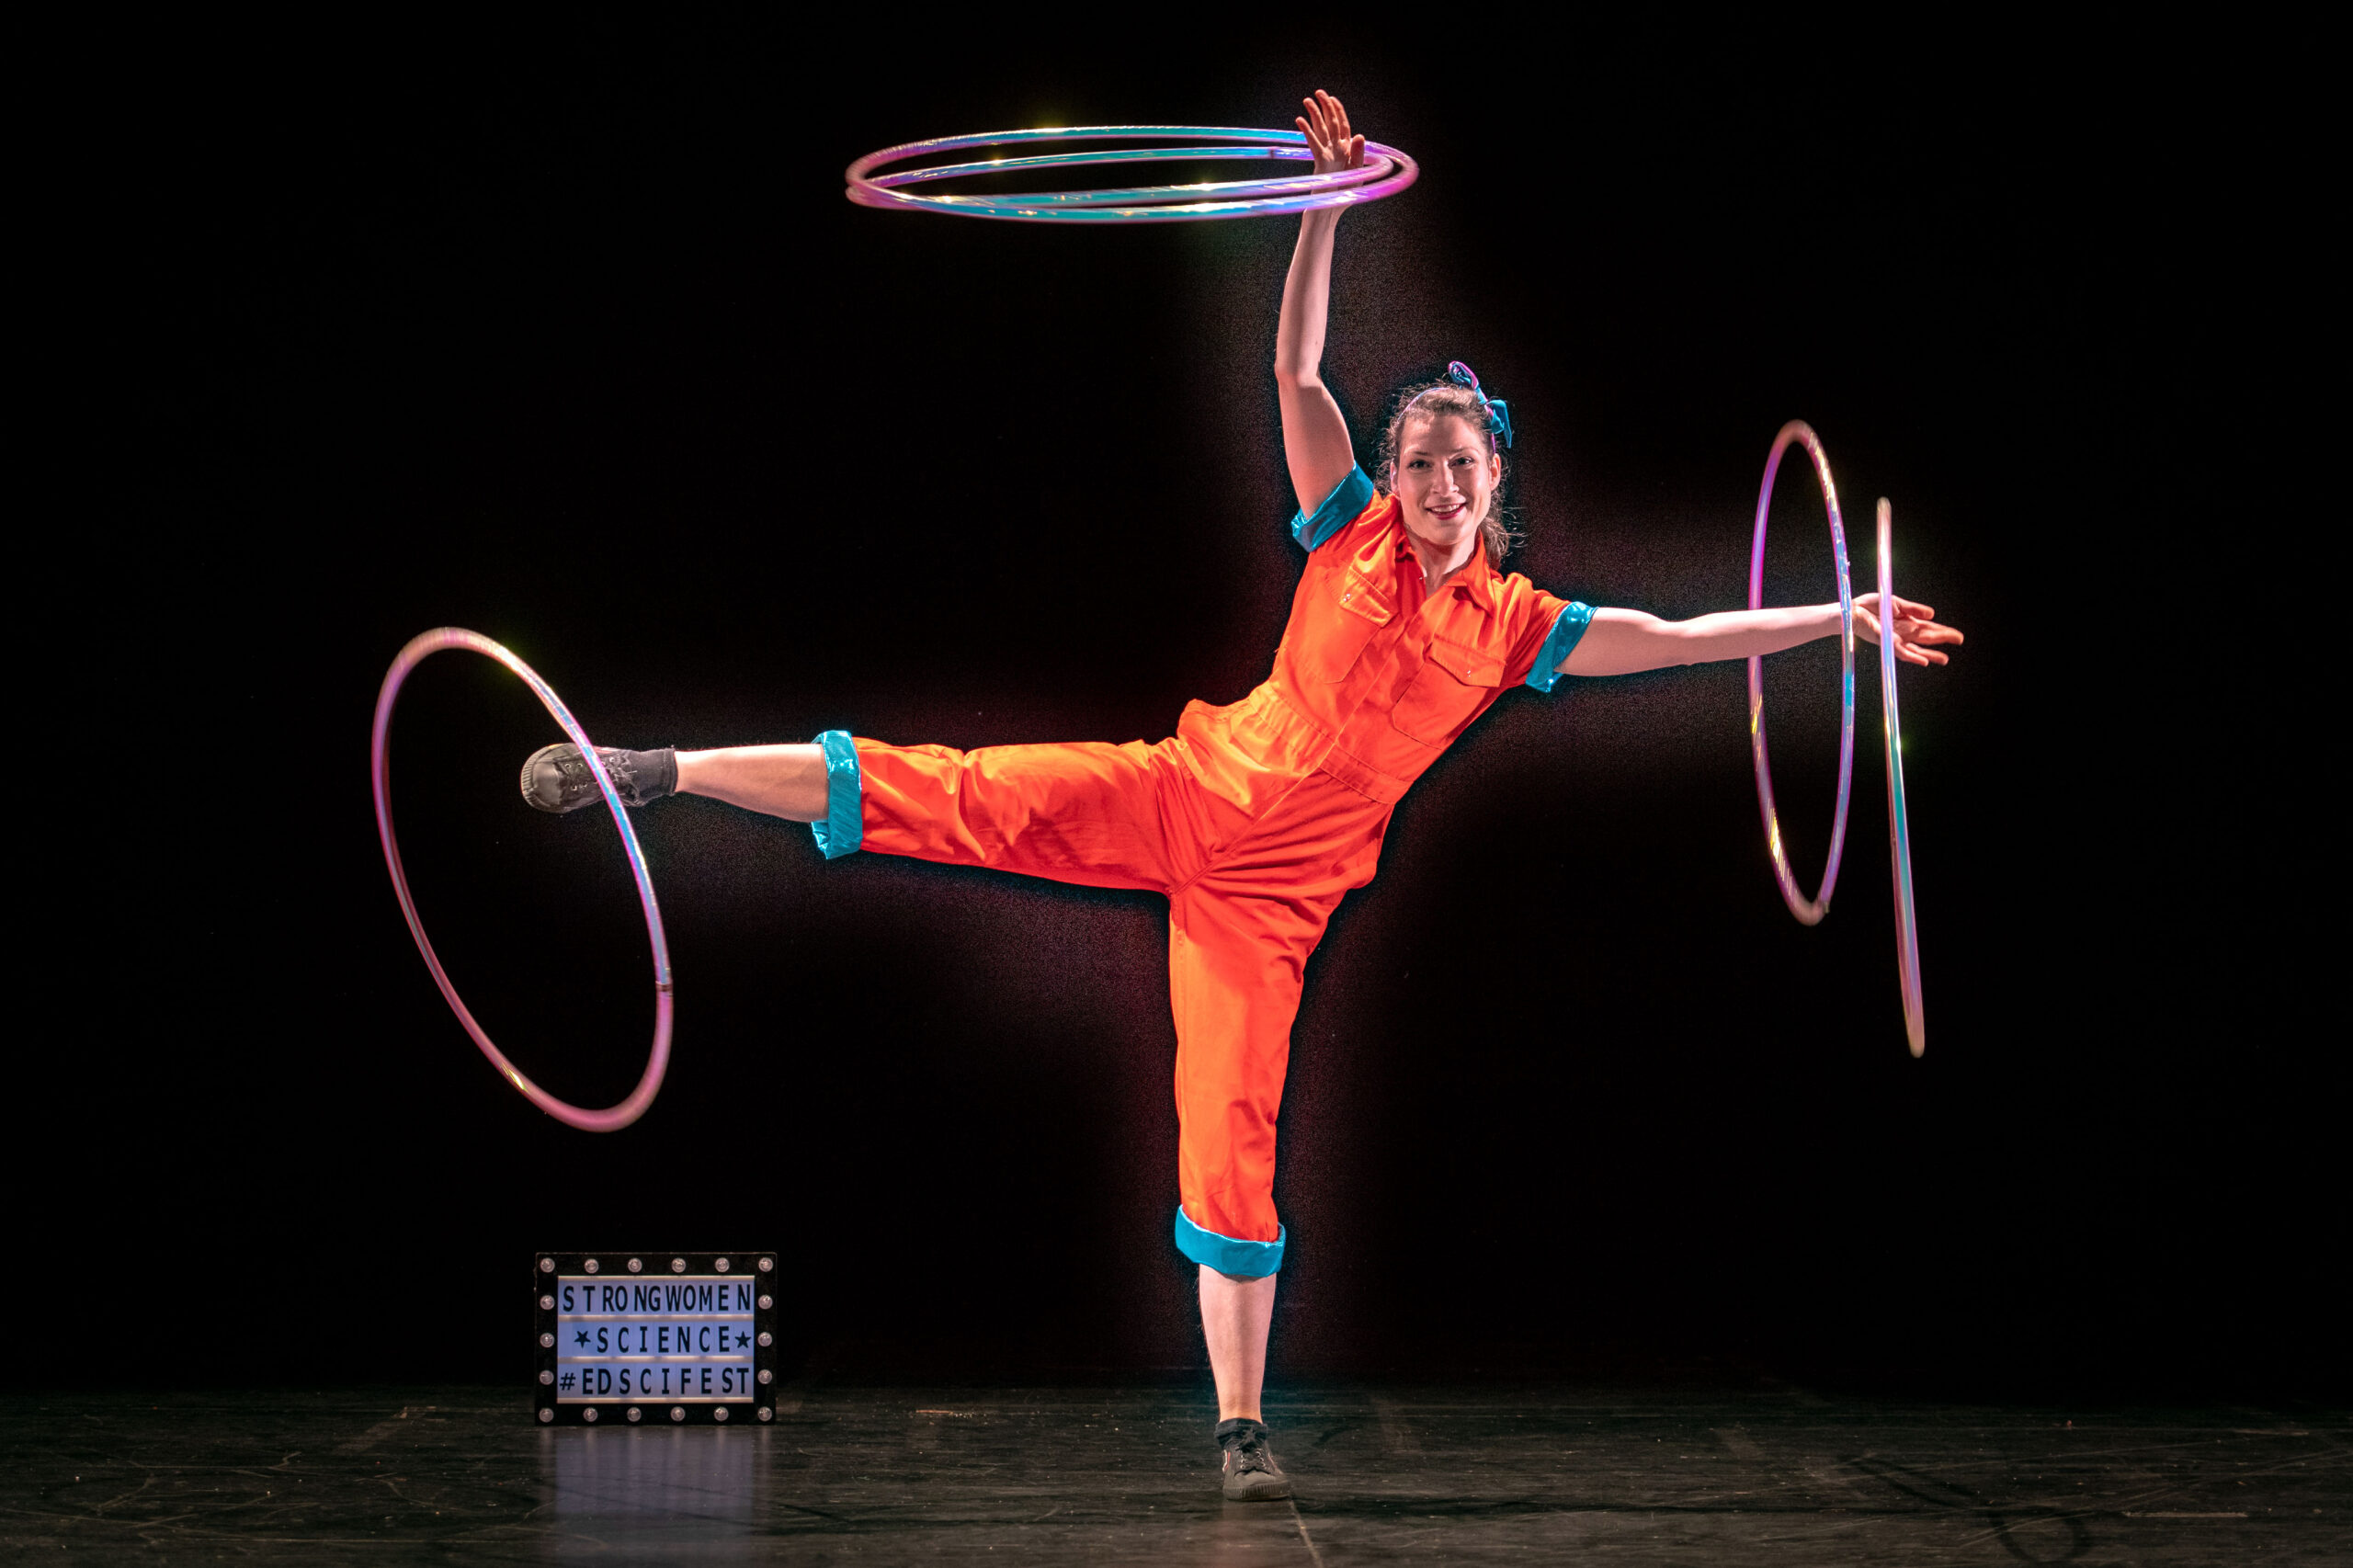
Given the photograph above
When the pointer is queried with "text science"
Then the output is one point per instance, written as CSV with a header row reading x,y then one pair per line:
x,y
666,1337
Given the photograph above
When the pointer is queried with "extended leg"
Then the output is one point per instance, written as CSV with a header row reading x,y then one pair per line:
x,y
1083,813
783,781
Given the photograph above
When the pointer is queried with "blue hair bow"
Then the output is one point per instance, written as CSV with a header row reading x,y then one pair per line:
x,y
1499,413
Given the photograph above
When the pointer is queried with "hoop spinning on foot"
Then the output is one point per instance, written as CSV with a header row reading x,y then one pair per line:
x,y
613,1119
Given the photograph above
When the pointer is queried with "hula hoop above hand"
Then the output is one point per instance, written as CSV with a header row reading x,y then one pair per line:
x,y
614,1118
1386,171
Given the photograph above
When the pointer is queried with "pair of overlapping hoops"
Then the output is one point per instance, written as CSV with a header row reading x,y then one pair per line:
x,y
1385,172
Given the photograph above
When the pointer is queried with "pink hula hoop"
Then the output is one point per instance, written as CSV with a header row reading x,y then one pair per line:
x,y
1386,172
1809,911
613,1119
1899,820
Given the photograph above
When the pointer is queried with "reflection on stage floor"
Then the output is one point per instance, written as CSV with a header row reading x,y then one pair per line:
x,y
1760,1474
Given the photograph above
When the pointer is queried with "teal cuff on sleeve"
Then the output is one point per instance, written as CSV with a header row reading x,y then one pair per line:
x,y
1351,495
1568,630
842,831
1247,1260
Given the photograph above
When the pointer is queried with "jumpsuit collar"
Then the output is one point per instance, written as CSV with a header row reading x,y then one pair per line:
x,y
1474,580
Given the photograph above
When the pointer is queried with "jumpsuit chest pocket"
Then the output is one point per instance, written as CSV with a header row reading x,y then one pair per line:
x,y
1455,685
1338,629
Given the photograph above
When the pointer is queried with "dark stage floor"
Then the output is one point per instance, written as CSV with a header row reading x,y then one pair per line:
x,y
1440,1474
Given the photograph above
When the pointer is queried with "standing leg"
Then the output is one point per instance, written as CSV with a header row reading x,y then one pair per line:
x,y
1235,962
1235,1314
1239,939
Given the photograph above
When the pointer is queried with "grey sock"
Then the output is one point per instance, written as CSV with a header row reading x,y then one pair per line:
x,y
642,776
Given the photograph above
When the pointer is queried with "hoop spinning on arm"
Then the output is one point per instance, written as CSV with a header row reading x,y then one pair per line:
x,y
1808,911
613,1119
1386,172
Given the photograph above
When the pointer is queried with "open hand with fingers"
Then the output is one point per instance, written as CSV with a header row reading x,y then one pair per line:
x,y
1917,635
1325,124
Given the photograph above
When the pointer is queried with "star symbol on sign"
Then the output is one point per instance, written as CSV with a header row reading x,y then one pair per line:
x,y
580,1336
741,1340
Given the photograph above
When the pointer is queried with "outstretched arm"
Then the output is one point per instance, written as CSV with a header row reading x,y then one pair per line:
x,y
1620,641
1315,439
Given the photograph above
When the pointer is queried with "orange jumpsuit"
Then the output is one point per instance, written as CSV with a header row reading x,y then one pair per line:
x,y
1254,819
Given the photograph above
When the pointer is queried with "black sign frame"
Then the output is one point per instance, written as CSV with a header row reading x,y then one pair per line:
x,y
758,1408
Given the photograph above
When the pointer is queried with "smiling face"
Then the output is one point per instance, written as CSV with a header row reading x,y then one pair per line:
x,y
1446,477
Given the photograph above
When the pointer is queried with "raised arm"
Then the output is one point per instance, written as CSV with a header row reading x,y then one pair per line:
x,y
1315,439
1620,641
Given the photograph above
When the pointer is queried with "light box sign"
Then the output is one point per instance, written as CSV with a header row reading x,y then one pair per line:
x,y
667,1336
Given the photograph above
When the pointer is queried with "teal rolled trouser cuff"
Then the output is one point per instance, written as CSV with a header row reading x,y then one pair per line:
x,y
1247,1260
843,830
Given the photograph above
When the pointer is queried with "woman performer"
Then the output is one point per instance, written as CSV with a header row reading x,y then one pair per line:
x,y
1257,819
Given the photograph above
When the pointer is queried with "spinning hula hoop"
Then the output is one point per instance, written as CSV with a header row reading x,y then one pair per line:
x,y
1899,827
1386,172
615,1118
1808,911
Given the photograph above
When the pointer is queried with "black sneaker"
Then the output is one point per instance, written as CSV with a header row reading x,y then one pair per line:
x,y
1251,1474
557,778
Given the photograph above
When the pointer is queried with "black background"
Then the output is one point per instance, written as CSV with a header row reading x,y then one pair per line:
x,y
568,335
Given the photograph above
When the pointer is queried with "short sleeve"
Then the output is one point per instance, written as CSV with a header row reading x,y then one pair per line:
x,y
1568,629
1349,498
